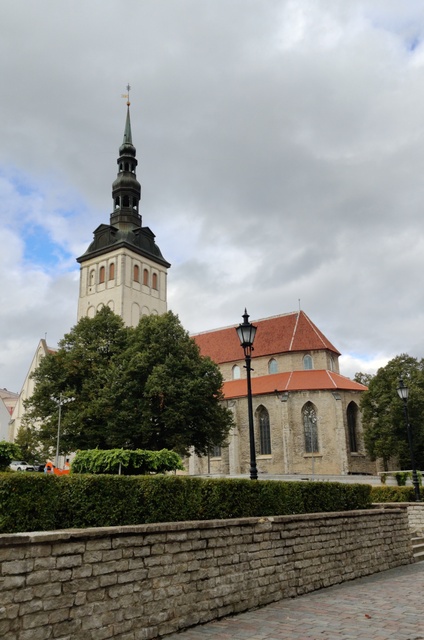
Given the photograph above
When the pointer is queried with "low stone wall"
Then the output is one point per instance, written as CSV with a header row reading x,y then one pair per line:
x,y
139,582
415,511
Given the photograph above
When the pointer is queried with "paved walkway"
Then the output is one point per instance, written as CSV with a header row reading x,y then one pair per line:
x,y
386,606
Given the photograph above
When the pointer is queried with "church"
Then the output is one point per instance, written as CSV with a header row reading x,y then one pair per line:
x,y
306,414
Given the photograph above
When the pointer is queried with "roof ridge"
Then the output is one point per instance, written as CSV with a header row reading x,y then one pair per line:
x,y
294,331
233,326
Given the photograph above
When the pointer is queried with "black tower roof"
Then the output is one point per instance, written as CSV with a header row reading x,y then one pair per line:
x,y
125,221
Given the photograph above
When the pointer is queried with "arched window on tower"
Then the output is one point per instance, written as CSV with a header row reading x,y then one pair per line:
x,y
125,201
155,281
136,273
273,366
112,271
307,362
235,372
127,166
101,275
264,431
145,277
117,202
310,428
352,419
135,204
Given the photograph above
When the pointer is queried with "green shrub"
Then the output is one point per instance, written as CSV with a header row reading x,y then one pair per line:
x,y
8,451
40,502
392,494
126,461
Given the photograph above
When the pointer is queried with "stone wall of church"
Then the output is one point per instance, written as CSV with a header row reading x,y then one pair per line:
x,y
292,361
288,445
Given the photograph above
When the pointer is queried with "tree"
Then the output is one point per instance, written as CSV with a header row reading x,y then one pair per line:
x,y
8,451
146,388
385,431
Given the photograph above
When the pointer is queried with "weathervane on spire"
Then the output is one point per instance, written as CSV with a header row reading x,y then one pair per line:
x,y
127,95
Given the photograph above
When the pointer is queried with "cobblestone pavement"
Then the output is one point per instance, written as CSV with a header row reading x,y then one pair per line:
x,y
385,606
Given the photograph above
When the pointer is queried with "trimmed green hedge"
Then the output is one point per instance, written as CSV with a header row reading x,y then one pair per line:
x,y
35,502
128,462
392,494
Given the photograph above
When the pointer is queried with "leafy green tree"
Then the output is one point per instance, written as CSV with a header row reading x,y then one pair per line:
x,y
72,379
162,394
146,388
8,451
383,418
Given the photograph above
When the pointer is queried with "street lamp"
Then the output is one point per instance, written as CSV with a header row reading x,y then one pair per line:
x,y
403,393
246,333
60,401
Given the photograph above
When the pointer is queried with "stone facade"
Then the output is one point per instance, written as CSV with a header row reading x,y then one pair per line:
x,y
128,296
295,370
145,581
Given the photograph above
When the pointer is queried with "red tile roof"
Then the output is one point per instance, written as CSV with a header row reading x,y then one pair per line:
x,y
313,380
278,334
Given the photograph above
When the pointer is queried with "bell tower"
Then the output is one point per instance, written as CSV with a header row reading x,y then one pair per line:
x,y
123,267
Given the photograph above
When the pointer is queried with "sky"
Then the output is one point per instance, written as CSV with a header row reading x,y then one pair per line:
x,y
281,157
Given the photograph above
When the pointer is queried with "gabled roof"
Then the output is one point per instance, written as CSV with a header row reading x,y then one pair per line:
x,y
313,380
278,334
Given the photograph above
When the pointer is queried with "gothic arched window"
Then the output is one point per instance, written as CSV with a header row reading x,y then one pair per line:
x,y
112,271
352,418
236,372
273,366
310,428
136,273
155,281
145,277
307,362
264,431
101,275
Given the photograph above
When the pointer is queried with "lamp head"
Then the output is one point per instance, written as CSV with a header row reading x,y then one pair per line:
x,y
246,332
403,391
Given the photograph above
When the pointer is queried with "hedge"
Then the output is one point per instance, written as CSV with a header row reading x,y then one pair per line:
x,y
392,494
32,502
126,461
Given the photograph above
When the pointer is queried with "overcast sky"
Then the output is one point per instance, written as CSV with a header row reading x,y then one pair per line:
x,y
281,157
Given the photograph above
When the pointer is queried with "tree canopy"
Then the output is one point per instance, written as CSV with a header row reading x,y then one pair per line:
x,y
383,417
142,388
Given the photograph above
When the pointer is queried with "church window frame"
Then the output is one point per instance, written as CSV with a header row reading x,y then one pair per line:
x,y
352,426
236,372
264,431
136,273
308,363
155,281
273,366
112,271
146,277
102,275
310,427
215,451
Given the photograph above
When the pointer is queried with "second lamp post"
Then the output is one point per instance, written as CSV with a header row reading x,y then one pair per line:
x,y
403,393
246,333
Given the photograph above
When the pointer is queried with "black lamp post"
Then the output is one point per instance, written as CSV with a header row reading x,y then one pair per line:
x,y
246,333
403,393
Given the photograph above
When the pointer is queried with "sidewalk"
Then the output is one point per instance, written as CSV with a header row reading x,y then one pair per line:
x,y
384,606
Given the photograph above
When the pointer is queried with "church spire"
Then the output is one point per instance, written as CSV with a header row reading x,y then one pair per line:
x,y
126,190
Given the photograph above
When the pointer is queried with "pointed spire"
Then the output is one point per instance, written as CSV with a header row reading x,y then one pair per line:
x,y
126,190
127,132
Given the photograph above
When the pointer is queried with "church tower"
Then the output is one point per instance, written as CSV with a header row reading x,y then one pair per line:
x,y
123,267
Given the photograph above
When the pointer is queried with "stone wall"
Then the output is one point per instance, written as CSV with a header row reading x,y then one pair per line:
x,y
140,582
415,511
